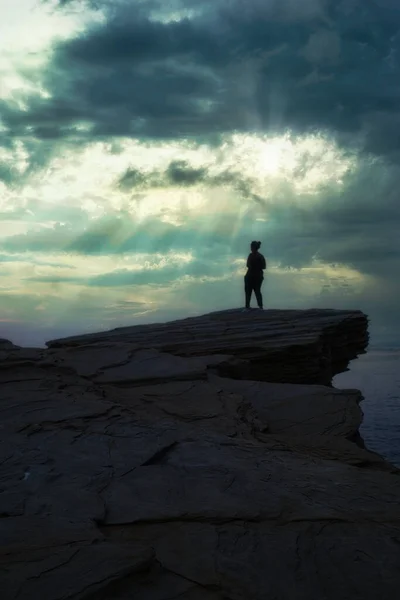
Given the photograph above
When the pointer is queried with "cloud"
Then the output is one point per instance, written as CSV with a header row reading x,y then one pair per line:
x,y
34,259
178,173
352,222
158,275
320,66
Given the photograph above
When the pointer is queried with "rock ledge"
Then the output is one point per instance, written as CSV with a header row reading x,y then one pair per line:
x,y
296,346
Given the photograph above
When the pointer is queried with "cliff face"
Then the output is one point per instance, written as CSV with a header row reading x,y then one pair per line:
x,y
148,462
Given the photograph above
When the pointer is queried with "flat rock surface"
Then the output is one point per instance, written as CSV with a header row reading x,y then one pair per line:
x,y
135,467
296,346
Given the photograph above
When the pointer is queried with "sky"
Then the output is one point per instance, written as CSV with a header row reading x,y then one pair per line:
x,y
144,144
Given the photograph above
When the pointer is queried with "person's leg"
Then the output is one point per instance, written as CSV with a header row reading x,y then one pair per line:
x,y
257,291
247,290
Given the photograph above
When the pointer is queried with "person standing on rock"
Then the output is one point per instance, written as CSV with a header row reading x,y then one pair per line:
x,y
255,274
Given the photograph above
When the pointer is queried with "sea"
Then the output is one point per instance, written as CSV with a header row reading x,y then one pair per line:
x,y
377,375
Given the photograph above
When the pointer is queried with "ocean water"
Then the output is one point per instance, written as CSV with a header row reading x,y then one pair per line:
x,y
377,375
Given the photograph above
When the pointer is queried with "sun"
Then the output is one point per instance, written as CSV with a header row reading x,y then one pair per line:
x,y
306,162
275,156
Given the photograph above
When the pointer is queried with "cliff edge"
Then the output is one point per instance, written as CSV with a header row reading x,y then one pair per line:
x,y
207,458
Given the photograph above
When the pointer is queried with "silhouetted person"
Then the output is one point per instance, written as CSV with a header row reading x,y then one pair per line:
x,y
255,274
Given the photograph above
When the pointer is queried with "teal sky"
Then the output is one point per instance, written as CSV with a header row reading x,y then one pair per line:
x,y
144,144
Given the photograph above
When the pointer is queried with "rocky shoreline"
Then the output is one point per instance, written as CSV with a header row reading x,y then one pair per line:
x,y
207,458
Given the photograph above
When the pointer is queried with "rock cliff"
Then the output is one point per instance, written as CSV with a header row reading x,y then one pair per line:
x,y
207,458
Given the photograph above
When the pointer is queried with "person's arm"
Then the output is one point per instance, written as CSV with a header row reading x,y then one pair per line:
x,y
263,262
248,261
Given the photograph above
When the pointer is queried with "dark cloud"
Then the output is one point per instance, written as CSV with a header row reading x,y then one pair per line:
x,y
178,173
133,178
268,65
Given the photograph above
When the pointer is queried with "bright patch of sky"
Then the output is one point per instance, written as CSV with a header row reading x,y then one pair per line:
x,y
87,177
28,29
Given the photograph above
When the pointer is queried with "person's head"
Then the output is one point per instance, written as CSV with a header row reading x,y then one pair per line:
x,y
255,246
